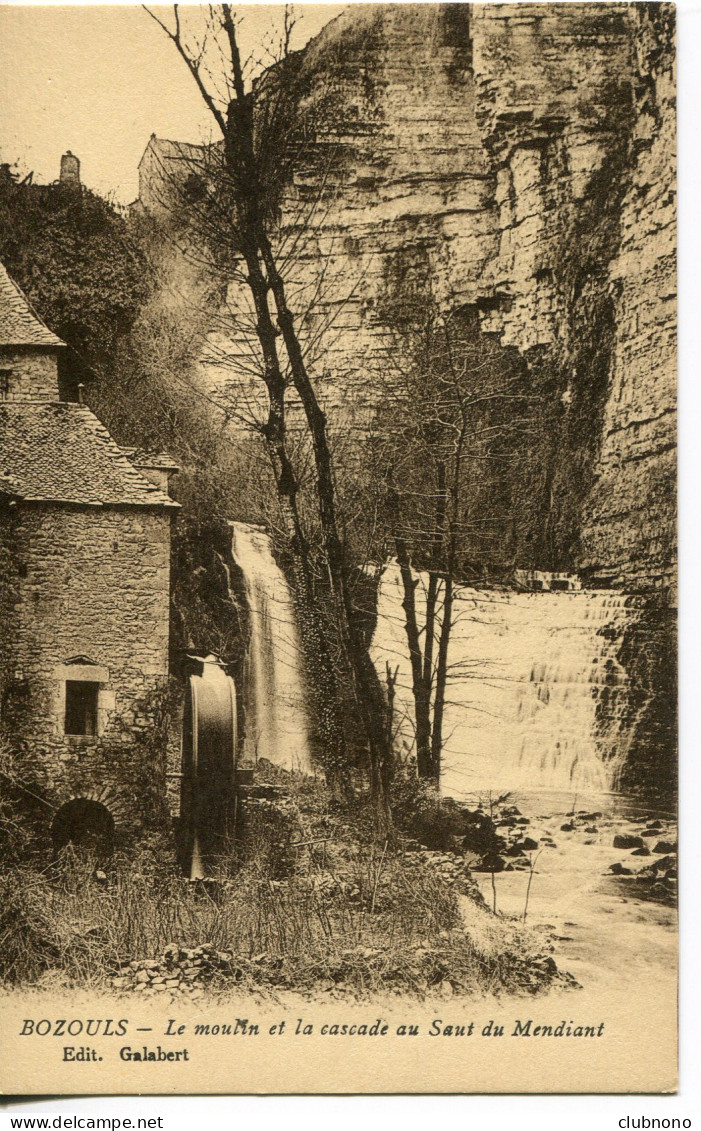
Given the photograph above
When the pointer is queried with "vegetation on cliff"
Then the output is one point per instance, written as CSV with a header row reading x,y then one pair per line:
x,y
75,258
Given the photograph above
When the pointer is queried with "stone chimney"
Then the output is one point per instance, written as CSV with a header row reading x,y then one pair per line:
x,y
70,170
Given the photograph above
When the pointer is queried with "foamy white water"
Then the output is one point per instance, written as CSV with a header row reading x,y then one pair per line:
x,y
274,699
537,697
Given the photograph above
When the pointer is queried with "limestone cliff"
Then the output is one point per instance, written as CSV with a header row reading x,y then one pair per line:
x,y
518,160
629,520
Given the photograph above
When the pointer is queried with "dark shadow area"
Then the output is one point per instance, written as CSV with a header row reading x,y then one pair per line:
x,y
85,824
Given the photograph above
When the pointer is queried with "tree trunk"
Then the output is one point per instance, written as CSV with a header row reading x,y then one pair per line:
x,y
441,679
247,198
420,689
369,693
431,678
430,630
326,698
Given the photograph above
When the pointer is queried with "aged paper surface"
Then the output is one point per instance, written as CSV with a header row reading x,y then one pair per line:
x,y
362,779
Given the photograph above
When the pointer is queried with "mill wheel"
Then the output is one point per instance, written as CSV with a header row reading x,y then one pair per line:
x,y
209,757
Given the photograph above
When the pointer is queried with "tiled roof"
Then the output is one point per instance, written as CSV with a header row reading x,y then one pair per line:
x,y
19,326
160,460
60,452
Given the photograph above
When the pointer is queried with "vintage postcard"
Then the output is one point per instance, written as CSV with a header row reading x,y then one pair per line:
x,y
338,548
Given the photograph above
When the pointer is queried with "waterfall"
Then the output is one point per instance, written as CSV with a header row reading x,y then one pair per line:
x,y
537,699
274,702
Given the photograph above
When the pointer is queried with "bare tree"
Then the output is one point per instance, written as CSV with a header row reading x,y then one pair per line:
x,y
459,412
261,133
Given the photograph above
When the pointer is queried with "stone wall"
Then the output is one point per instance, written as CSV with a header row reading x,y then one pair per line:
x,y
33,373
86,596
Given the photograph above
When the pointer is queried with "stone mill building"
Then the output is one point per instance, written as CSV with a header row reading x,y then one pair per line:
x,y
84,593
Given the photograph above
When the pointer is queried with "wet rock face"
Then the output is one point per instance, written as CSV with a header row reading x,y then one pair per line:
x,y
406,186
576,109
646,709
520,157
553,89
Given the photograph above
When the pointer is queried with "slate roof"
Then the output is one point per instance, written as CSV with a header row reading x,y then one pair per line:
x,y
159,460
19,326
60,452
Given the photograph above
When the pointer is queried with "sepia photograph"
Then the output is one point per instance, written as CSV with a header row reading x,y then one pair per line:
x,y
338,548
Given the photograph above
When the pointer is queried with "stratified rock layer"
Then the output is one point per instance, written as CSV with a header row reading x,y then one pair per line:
x,y
516,160
521,157
629,518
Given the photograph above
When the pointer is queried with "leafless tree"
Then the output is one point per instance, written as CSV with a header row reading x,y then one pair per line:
x,y
459,412
261,134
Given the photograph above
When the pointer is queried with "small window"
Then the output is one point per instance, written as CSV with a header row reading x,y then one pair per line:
x,y
5,375
81,707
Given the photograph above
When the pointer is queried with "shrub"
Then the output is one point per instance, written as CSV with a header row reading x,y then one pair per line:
x,y
440,822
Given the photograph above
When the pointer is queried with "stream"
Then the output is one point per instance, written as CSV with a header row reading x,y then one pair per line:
x,y
541,716
611,932
540,708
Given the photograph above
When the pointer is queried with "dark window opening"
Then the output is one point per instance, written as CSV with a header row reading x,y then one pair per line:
x,y
5,375
81,707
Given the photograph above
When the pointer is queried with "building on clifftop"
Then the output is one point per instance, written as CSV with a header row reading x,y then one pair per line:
x,y
84,594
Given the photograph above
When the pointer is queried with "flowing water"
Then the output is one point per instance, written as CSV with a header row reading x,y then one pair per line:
x,y
612,932
539,707
536,699
276,725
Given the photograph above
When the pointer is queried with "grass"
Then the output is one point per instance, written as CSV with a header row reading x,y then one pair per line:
x,y
359,931
315,905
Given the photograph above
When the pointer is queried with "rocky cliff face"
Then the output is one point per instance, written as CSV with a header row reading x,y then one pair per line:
x,y
517,163
629,519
